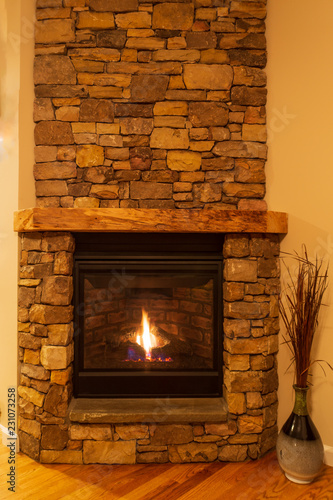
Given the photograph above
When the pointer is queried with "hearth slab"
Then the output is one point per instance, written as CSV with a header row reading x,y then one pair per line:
x,y
162,410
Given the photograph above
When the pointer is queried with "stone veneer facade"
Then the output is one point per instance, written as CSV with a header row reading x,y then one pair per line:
x,y
251,286
149,105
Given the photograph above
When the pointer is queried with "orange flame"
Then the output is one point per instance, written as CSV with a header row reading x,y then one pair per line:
x,y
146,338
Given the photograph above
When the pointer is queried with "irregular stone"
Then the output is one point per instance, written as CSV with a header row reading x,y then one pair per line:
x,y
240,270
98,432
217,164
46,70
177,55
61,377
95,54
197,40
151,457
233,291
26,296
243,381
127,432
61,91
105,192
248,9
57,400
109,452
208,114
208,76
113,39
233,453
241,149
149,88
95,21
193,452
248,96
29,341
89,156
150,190
133,20
51,188
31,395
170,434
171,16
35,371
30,427
244,190
53,437
55,170
261,345
99,110
43,110
29,445
140,126
168,138
236,403
113,5
57,290
45,314
246,310
252,77
236,328
135,110
221,429
183,160
256,58
250,424
56,357
54,31
151,68
61,457
56,241
31,357
207,192
53,133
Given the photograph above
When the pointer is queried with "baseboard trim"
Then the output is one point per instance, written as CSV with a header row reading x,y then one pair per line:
x,y
328,455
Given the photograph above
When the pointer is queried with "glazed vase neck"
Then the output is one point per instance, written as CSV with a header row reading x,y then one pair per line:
x,y
300,406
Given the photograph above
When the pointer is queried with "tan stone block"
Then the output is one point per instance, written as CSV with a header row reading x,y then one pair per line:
x,y
61,377
164,434
66,153
97,432
246,310
55,170
56,241
208,114
140,126
86,202
61,457
46,70
235,362
176,82
221,429
243,270
89,156
31,356
250,424
233,291
54,31
250,381
168,138
157,457
45,314
23,327
95,21
248,96
214,56
241,149
171,16
68,114
108,452
133,20
167,68
255,115
170,121
244,190
247,9
51,188
150,190
53,133
191,55
127,432
171,108
199,134
150,43
140,33
193,452
254,400
98,110
201,145
244,75
208,76
176,42
236,403
106,192
30,427
31,395
53,437
115,141
207,192
45,153
56,357
183,160
43,109
149,88
57,290
233,453
63,263
254,133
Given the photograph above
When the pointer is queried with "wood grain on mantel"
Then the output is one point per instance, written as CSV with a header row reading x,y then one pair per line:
x,y
150,220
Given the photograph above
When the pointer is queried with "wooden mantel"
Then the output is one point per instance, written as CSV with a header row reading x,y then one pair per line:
x,y
150,220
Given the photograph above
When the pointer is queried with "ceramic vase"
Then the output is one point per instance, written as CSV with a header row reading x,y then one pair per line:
x,y
300,450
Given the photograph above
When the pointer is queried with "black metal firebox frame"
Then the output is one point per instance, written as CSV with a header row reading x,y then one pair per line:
x,y
107,251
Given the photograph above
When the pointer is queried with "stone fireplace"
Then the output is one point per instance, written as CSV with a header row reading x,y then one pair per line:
x,y
148,114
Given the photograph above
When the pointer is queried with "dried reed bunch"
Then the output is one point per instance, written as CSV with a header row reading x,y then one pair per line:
x,y
299,307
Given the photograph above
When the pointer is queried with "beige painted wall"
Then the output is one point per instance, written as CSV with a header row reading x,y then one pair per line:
x,y
300,165
16,160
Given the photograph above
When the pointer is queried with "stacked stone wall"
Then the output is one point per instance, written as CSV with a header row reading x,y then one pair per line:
x,y
251,287
150,104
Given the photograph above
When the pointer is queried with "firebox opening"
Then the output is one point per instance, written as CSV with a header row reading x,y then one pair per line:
x,y
148,315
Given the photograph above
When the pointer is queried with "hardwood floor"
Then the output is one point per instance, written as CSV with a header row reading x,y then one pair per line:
x,y
255,480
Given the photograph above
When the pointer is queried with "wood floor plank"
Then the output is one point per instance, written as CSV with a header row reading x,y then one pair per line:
x,y
253,480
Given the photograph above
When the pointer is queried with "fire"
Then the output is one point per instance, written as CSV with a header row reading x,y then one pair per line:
x,y
146,338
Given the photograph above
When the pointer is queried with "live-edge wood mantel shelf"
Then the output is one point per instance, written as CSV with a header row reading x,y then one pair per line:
x,y
150,220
